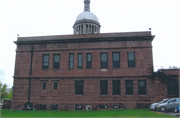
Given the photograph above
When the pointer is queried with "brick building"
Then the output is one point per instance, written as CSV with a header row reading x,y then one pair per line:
x,y
89,69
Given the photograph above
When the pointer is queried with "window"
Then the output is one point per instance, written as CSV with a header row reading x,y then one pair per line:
x,y
116,87
45,62
71,61
172,100
104,87
103,106
116,59
131,59
142,87
56,61
88,60
78,107
80,60
55,85
104,60
79,85
54,107
44,85
172,86
42,107
129,87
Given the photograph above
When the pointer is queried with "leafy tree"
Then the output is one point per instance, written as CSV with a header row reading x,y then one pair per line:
x,y
6,93
173,67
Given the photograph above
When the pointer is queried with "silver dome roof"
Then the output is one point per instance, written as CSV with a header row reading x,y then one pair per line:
x,y
87,15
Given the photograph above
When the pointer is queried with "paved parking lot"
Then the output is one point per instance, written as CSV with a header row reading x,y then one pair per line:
x,y
171,113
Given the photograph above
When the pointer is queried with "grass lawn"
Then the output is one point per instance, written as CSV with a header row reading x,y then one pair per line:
x,y
98,113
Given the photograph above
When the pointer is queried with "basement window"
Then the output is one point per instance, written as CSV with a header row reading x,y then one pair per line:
x,y
42,107
78,107
102,106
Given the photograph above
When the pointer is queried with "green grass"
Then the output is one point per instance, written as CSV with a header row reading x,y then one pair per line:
x,y
98,113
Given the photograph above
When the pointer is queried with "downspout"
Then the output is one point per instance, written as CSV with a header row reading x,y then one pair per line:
x,y
30,74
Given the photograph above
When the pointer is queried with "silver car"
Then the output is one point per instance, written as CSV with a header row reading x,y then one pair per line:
x,y
153,106
169,105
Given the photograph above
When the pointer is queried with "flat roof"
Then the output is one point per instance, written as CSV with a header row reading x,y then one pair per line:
x,y
83,36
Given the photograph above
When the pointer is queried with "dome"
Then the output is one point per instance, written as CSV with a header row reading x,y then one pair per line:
x,y
87,15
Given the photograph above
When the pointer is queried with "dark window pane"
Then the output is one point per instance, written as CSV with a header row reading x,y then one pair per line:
x,y
172,86
80,58
116,87
71,61
54,107
103,87
45,63
44,85
79,86
116,60
142,87
55,85
104,60
131,59
42,107
56,61
129,87
89,60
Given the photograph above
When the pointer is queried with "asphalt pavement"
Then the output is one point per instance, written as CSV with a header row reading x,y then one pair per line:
x,y
171,113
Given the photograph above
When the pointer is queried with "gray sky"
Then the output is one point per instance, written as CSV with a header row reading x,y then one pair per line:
x,y
56,17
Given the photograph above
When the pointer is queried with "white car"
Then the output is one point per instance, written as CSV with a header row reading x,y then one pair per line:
x,y
153,106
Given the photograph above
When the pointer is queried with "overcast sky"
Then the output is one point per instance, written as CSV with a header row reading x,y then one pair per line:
x,y
56,17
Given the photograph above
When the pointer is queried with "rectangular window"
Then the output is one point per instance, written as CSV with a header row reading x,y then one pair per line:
x,y
142,87
79,86
131,58
116,87
71,61
88,60
78,107
104,60
129,87
42,107
104,87
55,85
103,106
44,85
45,61
116,59
56,61
54,107
80,60
172,87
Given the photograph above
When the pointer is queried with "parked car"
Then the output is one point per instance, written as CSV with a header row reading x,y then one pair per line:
x,y
153,106
168,105
177,109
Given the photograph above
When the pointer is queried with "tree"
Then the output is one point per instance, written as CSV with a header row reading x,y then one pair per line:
x,y
173,67
6,93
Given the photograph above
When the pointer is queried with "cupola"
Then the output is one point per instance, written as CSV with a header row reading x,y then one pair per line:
x,y
86,22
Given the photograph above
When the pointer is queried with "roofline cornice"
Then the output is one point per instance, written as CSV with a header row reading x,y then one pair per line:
x,y
87,39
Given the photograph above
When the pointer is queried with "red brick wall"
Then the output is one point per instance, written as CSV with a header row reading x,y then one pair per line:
x,y
65,96
143,57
